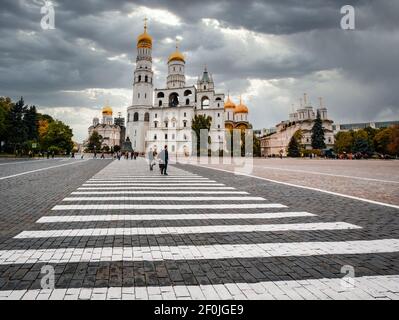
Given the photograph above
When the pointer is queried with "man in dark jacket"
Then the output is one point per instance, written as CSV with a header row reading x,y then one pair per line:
x,y
164,159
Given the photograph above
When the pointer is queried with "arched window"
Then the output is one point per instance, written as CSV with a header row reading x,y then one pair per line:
x,y
187,101
218,99
160,95
136,117
128,117
146,117
205,102
160,103
187,93
139,78
146,79
173,99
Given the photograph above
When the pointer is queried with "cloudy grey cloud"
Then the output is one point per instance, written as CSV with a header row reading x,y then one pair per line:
x,y
269,51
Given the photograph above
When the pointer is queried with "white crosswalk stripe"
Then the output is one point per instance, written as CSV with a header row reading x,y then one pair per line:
x,y
365,288
156,188
185,230
158,192
149,217
150,180
225,251
153,184
157,198
126,206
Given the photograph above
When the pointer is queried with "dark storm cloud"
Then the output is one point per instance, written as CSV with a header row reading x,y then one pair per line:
x,y
287,42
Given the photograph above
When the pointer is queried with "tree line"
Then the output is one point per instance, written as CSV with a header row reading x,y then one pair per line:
x,y
363,143
23,130
368,142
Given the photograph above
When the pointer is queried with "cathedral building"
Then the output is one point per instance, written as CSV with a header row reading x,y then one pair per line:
x,y
112,133
302,119
163,116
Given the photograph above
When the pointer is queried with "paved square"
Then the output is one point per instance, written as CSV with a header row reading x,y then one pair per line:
x,y
115,230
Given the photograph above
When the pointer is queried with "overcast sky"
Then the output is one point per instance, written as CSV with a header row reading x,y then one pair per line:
x,y
271,52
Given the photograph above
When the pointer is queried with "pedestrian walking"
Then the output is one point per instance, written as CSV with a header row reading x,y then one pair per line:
x,y
164,158
151,159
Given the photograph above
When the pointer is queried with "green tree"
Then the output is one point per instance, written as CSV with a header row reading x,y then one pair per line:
x,y
371,132
16,129
361,142
343,142
5,106
201,122
294,147
256,146
31,123
386,141
393,146
318,133
58,136
382,139
94,141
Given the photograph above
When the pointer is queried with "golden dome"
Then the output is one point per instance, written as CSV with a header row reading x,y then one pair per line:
x,y
144,40
229,104
241,108
177,55
107,111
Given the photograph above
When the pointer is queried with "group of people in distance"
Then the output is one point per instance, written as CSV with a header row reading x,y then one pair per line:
x,y
162,158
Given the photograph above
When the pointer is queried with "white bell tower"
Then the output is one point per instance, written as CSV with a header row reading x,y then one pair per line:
x,y
138,113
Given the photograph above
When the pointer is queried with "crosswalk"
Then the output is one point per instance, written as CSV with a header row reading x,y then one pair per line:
x,y
125,200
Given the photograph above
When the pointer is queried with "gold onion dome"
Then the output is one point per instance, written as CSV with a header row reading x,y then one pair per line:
x,y
241,108
144,40
177,55
229,104
107,110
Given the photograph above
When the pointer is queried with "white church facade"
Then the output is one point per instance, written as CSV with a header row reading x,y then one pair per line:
x,y
163,116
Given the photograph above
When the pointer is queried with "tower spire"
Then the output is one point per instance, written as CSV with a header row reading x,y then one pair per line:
x,y
321,102
145,24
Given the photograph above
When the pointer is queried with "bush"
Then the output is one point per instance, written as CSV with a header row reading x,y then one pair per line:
x,y
56,149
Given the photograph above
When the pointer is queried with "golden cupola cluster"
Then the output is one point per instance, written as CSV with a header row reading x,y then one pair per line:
x,y
144,40
229,104
107,111
177,55
240,108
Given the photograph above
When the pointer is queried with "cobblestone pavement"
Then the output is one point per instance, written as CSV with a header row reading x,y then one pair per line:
x,y
376,180
115,230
